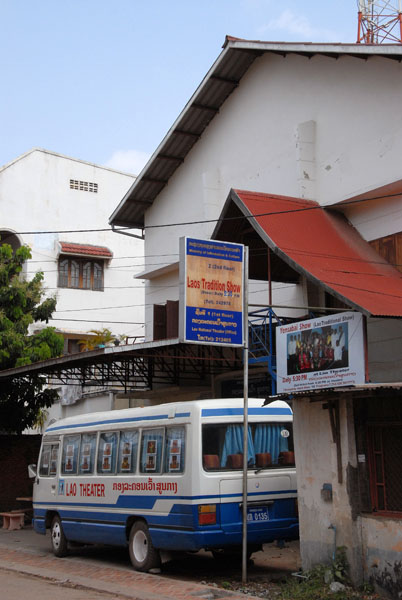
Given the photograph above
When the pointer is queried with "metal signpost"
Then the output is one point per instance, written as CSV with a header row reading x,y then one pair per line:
x,y
213,310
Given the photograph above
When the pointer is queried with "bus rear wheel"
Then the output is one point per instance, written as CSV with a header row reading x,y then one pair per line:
x,y
143,555
59,540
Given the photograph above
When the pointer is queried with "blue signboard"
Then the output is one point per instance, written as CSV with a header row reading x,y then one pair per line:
x,y
212,292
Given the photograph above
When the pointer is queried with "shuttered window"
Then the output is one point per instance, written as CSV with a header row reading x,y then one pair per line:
x,y
80,273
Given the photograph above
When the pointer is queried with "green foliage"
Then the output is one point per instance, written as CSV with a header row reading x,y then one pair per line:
x,y
314,584
21,305
99,338
340,565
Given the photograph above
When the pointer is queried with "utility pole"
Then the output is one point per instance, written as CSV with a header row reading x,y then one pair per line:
x,y
379,22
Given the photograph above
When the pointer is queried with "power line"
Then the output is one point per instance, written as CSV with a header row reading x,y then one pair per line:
x,y
219,220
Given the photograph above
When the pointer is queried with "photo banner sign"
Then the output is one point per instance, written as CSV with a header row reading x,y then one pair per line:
x,y
320,353
211,292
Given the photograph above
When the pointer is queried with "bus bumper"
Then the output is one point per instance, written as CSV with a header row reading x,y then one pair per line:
x,y
218,538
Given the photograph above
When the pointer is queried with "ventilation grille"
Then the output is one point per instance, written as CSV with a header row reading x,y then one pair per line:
x,y
83,186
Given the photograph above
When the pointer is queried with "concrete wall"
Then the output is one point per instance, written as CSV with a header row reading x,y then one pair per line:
x,y
374,544
382,541
326,520
89,402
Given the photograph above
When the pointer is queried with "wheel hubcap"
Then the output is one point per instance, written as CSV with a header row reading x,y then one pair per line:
x,y
140,546
56,535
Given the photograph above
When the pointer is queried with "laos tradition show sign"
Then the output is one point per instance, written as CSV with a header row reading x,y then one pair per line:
x,y
211,292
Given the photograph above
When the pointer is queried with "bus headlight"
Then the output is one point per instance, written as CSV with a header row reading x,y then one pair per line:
x,y
207,514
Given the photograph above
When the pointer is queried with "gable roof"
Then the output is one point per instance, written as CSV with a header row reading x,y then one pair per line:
x,y
220,81
321,244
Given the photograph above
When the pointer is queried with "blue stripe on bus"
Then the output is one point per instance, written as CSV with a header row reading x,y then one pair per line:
x,y
223,412
113,421
148,502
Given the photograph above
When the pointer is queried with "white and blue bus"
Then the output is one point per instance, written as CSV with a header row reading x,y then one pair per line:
x,y
168,477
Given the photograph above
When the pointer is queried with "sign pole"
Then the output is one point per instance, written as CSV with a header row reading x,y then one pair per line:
x,y
245,417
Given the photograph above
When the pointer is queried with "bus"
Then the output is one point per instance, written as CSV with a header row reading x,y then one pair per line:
x,y
168,478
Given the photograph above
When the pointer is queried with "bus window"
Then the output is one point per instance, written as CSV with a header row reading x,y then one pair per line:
x,y
151,450
48,460
107,452
87,454
269,445
174,450
71,446
128,449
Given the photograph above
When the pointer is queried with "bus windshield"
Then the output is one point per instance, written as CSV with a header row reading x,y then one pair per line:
x,y
270,445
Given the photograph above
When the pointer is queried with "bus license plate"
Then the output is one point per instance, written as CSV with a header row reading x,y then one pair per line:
x,y
258,513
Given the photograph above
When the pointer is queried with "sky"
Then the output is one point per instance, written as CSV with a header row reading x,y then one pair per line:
x,y
104,80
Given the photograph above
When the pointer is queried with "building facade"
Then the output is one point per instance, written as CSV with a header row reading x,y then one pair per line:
x,y
318,123
59,207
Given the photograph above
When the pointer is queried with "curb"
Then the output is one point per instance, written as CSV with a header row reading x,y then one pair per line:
x,y
128,584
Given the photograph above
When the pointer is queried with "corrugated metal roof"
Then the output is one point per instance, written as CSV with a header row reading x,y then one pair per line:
x,y
223,77
85,250
322,245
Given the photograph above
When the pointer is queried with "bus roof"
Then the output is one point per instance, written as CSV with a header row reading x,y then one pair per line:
x,y
206,408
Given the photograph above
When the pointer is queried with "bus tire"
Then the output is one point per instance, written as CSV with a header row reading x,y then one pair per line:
x,y
143,555
58,539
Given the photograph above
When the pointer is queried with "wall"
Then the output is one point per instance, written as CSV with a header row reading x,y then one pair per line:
x,y
384,349
16,453
89,402
382,540
326,522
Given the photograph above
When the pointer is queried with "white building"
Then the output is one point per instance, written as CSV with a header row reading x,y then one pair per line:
x,y
59,206
318,122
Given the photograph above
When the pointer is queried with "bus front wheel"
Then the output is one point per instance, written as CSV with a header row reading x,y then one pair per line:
x,y
59,540
143,555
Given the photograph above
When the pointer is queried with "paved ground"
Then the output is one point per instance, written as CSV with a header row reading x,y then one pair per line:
x,y
108,569
15,586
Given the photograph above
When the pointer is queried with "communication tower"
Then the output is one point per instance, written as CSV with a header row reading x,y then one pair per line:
x,y
380,22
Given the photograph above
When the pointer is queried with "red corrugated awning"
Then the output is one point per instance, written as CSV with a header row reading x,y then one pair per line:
x,y
321,244
85,250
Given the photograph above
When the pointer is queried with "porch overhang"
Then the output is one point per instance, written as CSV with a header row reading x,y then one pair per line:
x,y
307,239
134,367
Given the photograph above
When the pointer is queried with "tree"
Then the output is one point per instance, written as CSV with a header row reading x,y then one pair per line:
x,y
99,339
22,303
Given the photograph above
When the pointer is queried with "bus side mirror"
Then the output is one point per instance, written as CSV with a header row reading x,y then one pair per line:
x,y
32,471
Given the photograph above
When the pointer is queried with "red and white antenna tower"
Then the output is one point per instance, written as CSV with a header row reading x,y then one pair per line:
x,y
380,22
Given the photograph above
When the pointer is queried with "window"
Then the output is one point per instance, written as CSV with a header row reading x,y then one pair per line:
x,y
385,450
69,461
166,320
174,450
269,445
83,186
87,454
80,273
128,448
390,248
107,452
48,460
378,427
151,450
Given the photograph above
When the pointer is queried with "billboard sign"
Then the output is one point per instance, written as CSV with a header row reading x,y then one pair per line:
x,y
320,353
211,292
